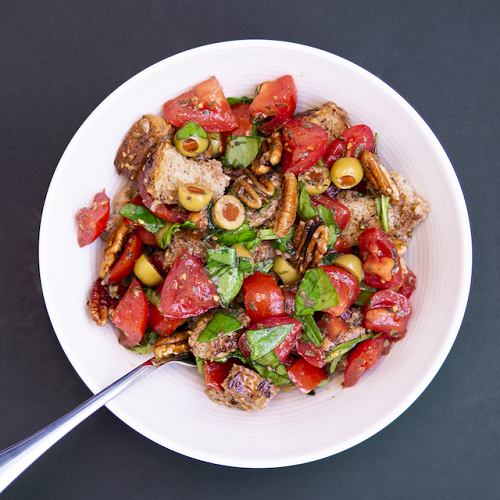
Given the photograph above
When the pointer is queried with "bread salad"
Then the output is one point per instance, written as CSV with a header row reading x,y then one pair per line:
x,y
267,243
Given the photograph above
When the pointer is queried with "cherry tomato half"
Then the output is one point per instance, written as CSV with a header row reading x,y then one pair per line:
x,y
187,289
125,264
92,221
409,284
276,102
204,104
315,355
306,376
347,288
158,323
131,315
341,213
364,357
216,372
380,258
304,145
333,327
351,143
387,312
263,297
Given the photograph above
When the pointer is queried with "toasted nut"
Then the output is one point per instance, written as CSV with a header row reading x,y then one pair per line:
x,y
285,216
98,311
379,177
311,241
171,345
113,247
248,195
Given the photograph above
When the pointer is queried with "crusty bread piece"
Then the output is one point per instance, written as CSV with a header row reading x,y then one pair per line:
x,y
170,168
329,116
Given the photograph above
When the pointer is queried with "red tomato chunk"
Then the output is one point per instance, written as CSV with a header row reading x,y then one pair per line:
x,y
92,221
263,297
306,376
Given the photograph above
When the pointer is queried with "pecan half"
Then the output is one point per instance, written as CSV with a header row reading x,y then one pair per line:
x,y
113,247
285,216
270,155
311,241
254,190
171,345
379,177
103,301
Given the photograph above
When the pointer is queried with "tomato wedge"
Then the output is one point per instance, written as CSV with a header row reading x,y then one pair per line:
x,y
409,284
341,246
315,355
216,372
158,323
125,264
204,104
131,315
306,376
92,221
304,145
351,143
275,102
187,289
243,116
364,357
333,327
381,262
347,288
263,297
341,213
387,312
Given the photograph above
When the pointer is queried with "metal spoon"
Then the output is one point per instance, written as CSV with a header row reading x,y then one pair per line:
x,y
17,458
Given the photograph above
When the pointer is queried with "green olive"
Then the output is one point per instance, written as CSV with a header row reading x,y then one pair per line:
x,y
191,140
216,141
346,173
159,234
285,271
228,212
194,197
352,263
316,179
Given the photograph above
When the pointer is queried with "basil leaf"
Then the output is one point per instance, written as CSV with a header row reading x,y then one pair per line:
x,y
223,255
265,266
329,258
329,220
382,209
199,364
279,243
311,329
167,235
239,100
366,291
220,325
146,344
244,235
152,296
305,209
315,293
234,354
141,215
228,283
191,129
241,150
270,366
263,340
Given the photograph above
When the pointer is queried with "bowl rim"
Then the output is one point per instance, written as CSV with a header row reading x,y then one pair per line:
x,y
465,271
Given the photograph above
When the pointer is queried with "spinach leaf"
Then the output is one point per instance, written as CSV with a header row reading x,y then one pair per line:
x,y
167,235
264,340
269,366
141,215
305,209
382,209
241,150
220,325
315,293
311,329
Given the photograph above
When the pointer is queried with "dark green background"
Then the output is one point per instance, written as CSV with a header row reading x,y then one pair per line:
x,y
60,59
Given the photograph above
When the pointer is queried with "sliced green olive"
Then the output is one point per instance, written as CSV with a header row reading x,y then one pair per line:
x,y
228,212
146,272
216,141
352,263
346,173
194,197
316,179
285,271
191,140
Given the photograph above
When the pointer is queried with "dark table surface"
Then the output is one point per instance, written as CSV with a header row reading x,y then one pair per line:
x,y
60,59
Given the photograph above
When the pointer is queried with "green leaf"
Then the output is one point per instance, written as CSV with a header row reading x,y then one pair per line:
x,y
229,283
141,215
269,366
241,150
305,209
220,325
191,129
382,209
167,235
329,220
329,258
223,255
263,340
315,293
281,244
311,329
152,296
244,235
234,354
366,291
265,266
147,343
239,100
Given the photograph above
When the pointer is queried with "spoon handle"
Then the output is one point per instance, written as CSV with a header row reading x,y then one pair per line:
x,y
17,458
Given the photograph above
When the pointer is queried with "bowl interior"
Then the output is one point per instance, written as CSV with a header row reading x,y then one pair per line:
x,y
176,392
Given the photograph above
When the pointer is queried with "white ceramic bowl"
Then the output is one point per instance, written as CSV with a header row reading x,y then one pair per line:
x,y
170,406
